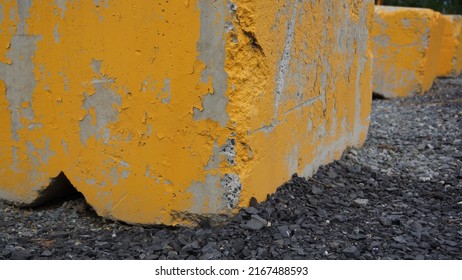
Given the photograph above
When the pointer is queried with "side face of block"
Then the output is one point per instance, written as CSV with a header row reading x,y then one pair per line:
x,y
406,41
457,25
304,91
434,51
169,112
450,62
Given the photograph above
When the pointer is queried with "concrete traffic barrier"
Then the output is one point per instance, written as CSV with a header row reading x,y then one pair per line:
x,y
406,49
176,111
450,63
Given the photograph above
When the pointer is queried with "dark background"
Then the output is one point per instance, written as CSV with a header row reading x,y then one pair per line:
x,y
443,6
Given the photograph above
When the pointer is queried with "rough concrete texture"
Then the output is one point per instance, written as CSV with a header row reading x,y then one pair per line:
x,y
450,63
406,49
174,111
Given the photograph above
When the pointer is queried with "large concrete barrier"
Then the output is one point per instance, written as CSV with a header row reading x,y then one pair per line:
x,y
172,111
450,63
406,49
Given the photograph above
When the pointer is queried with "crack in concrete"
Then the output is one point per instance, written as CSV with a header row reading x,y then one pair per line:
x,y
285,60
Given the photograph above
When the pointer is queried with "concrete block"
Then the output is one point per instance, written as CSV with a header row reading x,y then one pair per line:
x,y
175,111
450,63
406,49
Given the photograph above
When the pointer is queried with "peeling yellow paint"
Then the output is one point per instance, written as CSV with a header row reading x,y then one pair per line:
x,y
309,86
406,49
8,28
450,62
159,111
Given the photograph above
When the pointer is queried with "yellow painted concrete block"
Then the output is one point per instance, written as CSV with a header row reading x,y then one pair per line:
x,y
171,111
406,49
450,63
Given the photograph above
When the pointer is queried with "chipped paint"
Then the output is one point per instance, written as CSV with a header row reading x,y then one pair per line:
x,y
23,14
285,60
19,90
39,155
61,4
56,34
166,92
102,107
172,112
208,197
328,88
211,48
2,15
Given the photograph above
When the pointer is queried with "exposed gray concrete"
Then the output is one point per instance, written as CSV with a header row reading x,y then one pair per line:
x,y
37,155
104,102
285,60
232,187
207,193
56,33
61,4
229,151
2,16
23,11
19,79
217,193
166,92
214,161
96,65
211,48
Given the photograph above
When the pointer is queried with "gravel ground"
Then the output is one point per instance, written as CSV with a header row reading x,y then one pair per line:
x,y
398,197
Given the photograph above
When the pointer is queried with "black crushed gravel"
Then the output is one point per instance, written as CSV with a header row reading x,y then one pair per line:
x,y
398,197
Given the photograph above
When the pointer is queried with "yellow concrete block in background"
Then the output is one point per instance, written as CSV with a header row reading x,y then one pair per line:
x,y
166,111
450,63
406,49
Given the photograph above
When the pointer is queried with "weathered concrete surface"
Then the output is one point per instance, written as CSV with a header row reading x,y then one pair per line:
x,y
406,49
450,63
168,112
